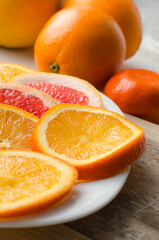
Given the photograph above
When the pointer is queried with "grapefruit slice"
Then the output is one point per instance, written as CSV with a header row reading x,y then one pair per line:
x,y
30,182
10,70
16,127
26,98
65,89
99,143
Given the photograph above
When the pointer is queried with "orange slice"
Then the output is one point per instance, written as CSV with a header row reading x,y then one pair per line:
x,y
99,143
30,182
65,89
16,127
26,98
9,70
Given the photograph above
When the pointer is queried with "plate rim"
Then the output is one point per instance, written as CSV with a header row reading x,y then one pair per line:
x,y
20,222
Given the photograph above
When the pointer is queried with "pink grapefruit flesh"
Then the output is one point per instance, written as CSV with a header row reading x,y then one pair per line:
x,y
61,93
63,88
26,98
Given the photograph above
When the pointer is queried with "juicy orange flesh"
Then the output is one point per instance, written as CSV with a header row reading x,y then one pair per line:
x,y
7,72
82,135
15,131
23,177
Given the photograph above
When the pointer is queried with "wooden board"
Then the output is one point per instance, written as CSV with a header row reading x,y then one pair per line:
x,y
132,215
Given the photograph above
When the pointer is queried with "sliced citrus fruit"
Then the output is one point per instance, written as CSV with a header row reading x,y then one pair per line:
x,y
26,98
30,181
64,88
99,143
16,127
9,70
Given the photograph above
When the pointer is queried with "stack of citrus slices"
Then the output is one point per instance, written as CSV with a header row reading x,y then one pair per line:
x,y
63,119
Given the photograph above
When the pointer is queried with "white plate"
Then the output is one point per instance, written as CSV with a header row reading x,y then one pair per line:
x,y
84,198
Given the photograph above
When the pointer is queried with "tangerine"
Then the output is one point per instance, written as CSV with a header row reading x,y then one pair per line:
x,y
136,91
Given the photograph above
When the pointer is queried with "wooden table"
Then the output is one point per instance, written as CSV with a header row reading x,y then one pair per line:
x,y
132,215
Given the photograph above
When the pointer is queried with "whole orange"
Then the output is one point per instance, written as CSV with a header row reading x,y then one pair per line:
x,y
22,20
125,13
81,42
136,91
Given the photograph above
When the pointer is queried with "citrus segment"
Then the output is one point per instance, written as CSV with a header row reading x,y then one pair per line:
x,y
98,142
65,89
26,98
89,141
31,181
9,70
62,93
16,127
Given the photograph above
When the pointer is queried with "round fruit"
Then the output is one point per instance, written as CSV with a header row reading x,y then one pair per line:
x,y
99,143
81,42
30,182
10,70
16,127
21,21
26,98
136,91
126,15
63,88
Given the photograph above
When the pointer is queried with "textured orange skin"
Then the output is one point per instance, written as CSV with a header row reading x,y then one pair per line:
x,y
84,42
136,91
108,166
40,205
22,20
125,13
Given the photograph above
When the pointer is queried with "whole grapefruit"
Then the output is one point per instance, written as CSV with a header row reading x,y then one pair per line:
x,y
21,21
